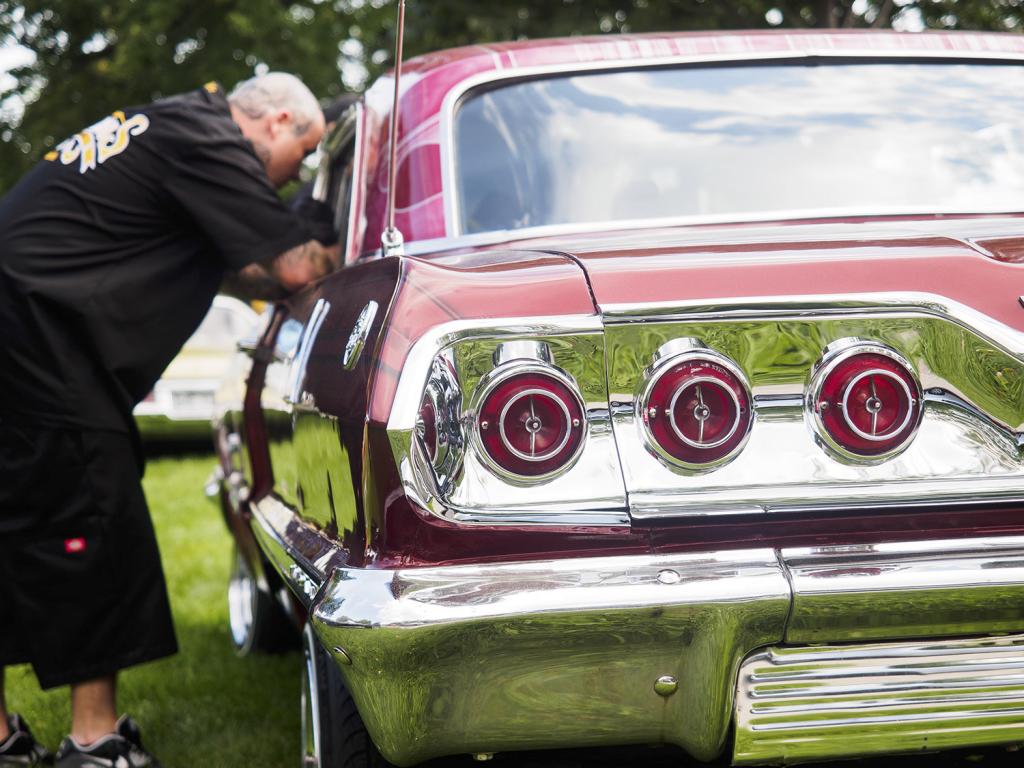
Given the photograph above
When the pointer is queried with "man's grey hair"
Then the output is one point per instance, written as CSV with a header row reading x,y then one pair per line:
x,y
277,90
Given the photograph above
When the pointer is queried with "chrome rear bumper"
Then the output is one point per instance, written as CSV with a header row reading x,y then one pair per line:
x,y
516,656
799,704
648,649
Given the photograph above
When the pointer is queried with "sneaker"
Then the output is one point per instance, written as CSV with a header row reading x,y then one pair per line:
x,y
20,748
121,749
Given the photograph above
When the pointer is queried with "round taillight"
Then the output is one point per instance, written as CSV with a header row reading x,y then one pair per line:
x,y
696,409
531,421
864,400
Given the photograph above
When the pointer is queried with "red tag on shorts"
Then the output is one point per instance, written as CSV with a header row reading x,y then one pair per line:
x,y
74,546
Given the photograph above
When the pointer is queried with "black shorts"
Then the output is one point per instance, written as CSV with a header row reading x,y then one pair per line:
x,y
82,593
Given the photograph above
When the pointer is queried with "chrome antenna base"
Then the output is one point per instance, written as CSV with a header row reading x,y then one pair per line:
x,y
393,242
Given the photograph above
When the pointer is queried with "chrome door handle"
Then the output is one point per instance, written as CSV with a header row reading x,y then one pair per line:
x,y
296,395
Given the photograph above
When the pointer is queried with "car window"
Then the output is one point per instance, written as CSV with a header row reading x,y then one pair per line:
x,y
334,183
340,187
820,138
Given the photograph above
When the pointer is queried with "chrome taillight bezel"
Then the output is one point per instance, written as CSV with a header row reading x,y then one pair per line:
x,y
668,357
836,354
444,396
502,374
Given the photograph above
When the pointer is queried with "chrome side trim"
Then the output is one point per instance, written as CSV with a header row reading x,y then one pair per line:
x,y
297,371
417,365
438,245
457,650
356,339
301,555
913,589
819,703
822,306
453,225
616,518
356,223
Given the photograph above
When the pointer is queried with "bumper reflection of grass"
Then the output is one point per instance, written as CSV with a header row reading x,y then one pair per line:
x,y
203,707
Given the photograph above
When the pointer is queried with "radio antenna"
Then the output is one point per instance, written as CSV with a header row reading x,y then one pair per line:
x,y
391,239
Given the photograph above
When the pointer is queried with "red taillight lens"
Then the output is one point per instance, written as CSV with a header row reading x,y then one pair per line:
x,y
531,423
866,401
697,410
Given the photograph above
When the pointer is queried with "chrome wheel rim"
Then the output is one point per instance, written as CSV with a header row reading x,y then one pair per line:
x,y
242,598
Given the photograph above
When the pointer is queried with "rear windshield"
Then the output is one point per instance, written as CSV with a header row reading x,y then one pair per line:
x,y
743,142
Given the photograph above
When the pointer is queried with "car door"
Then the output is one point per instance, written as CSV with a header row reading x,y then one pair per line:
x,y
319,362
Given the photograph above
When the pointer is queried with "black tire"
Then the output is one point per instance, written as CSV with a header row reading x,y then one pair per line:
x,y
257,623
333,733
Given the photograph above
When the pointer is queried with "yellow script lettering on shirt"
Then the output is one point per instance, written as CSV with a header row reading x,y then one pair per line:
x,y
100,142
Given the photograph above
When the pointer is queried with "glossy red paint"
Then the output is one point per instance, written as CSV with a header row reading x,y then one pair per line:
x,y
429,80
682,264
972,260
805,260
1008,249
254,429
340,394
481,286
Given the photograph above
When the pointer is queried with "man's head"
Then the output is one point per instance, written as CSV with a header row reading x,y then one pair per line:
x,y
282,119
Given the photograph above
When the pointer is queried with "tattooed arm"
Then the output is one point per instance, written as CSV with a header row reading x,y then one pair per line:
x,y
285,274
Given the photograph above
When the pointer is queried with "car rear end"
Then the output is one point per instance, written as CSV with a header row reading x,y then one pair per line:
x,y
739,472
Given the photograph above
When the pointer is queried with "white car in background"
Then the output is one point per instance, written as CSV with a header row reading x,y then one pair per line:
x,y
181,404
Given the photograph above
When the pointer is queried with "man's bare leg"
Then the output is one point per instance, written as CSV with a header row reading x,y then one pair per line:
x,y
93,710
4,730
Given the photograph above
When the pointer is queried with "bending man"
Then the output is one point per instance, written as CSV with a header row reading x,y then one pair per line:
x,y
111,251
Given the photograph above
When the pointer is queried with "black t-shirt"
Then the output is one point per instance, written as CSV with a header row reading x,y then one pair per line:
x,y
112,249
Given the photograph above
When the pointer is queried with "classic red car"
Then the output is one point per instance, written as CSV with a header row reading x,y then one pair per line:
x,y
691,412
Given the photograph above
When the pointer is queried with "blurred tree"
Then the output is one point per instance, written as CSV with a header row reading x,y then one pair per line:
x,y
93,56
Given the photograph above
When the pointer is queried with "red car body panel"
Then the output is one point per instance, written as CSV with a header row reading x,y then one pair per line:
x,y
976,264
473,287
677,265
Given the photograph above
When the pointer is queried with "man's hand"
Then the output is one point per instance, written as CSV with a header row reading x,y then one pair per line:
x,y
303,264
285,274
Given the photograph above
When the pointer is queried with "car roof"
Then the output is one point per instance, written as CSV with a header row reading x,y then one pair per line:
x,y
728,44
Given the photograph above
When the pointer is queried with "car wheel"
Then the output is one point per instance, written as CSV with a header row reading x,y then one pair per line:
x,y
333,733
257,622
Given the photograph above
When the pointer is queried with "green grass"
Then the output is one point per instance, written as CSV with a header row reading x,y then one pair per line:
x,y
205,706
